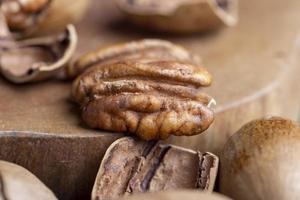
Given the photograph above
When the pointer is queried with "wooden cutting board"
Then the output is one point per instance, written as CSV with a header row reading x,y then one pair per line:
x,y
255,67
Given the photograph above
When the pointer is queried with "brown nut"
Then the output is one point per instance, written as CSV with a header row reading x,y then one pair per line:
x,y
180,16
177,195
39,58
132,166
26,17
151,49
261,161
17,182
149,88
152,99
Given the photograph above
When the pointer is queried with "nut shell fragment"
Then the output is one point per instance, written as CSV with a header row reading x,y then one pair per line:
x,y
39,58
180,16
131,166
18,183
261,161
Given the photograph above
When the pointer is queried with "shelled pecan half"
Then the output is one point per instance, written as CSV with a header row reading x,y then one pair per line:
x,y
147,97
151,49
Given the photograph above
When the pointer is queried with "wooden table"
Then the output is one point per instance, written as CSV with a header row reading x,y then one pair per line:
x,y
255,67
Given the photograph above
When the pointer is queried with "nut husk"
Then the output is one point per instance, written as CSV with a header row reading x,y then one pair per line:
x,y
17,183
177,195
180,16
27,17
261,161
38,58
132,166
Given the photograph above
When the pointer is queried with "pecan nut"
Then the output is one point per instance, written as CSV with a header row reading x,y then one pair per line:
x,y
150,98
27,17
132,166
150,49
24,15
180,16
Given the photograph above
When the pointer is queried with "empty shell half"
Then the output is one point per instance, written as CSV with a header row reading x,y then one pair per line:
x,y
38,58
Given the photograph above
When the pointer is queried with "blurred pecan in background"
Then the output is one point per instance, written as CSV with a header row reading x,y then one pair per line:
x,y
21,15
27,17
180,16
150,98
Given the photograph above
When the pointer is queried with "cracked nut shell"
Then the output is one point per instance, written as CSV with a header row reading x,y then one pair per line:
x,y
17,182
26,17
38,58
152,99
132,166
177,195
180,16
150,49
261,161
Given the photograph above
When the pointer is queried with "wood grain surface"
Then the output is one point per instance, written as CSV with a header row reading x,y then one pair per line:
x,y
255,67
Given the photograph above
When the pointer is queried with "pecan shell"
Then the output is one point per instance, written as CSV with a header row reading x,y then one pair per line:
x,y
36,59
17,182
132,166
